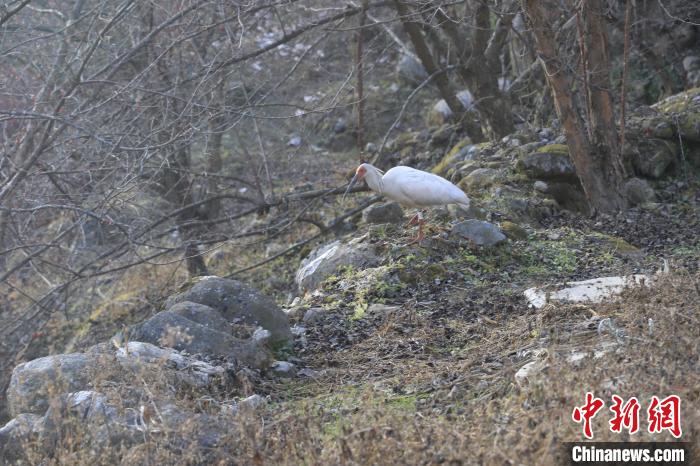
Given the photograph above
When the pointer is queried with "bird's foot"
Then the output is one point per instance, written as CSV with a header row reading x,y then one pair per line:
x,y
417,240
415,220
420,237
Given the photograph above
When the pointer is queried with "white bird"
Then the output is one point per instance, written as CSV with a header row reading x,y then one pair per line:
x,y
411,188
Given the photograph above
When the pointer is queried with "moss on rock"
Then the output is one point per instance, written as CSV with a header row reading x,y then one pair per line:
x,y
513,230
450,156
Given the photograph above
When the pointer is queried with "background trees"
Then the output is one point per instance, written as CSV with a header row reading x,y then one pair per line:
x,y
137,137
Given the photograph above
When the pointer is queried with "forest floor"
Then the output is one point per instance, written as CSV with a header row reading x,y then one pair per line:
x,y
425,372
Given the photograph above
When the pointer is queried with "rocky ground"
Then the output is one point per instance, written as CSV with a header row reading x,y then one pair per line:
x,y
406,354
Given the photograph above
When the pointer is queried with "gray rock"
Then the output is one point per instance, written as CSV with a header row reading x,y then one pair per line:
x,y
238,302
74,410
479,232
326,260
481,178
381,309
86,415
594,290
444,110
389,212
135,353
137,356
313,314
32,382
89,405
283,369
411,69
691,63
14,436
548,165
172,416
568,195
466,98
261,336
460,213
252,402
340,126
541,186
201,314
546,134
639,191
693,78
175,331
652,157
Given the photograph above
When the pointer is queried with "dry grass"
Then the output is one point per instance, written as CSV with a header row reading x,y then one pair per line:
x,y
414,392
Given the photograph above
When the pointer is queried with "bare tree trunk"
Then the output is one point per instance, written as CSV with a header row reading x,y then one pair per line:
x,y
597,163
604,130
423,52
480,67
178,191
213,153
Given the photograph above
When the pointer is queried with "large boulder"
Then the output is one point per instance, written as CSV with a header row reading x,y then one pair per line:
x,y
651,157
479,232
682,111
202,314
238,302
32,382
325,261
548,162
173,330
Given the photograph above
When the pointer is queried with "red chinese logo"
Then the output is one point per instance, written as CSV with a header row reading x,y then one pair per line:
x,y
587,412
661,415
626,415
665,415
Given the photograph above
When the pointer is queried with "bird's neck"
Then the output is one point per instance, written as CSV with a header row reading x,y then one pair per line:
x,y
374,181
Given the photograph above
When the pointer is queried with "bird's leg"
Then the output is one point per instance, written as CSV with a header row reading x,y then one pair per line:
x,y
417,220
414,220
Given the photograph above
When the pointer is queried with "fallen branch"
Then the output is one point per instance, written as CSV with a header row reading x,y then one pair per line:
x,y
322,232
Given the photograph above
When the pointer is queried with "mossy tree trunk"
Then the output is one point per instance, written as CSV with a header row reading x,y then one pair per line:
x,y
594,149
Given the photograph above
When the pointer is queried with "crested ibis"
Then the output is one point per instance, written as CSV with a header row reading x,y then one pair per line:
x,y
411,188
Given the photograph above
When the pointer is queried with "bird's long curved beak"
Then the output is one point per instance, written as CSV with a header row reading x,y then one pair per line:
x,y
353,182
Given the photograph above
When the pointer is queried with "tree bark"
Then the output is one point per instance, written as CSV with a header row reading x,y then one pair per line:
x,y
598,65
597,162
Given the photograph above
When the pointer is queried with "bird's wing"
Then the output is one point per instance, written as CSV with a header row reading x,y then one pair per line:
x,y
423,188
